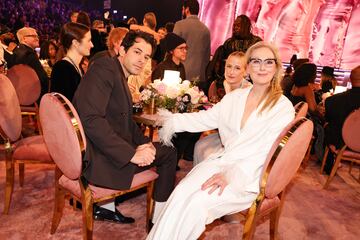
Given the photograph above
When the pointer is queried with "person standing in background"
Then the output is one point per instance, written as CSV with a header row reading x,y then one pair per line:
x,y
197,37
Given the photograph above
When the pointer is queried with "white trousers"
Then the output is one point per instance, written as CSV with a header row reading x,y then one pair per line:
x,y
189,208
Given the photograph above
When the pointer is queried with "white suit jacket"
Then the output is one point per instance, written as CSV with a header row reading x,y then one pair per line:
x,y
245,150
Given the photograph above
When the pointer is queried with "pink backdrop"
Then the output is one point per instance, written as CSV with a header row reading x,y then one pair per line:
x,y
326,31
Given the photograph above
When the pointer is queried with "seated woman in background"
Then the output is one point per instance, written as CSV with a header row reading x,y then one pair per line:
x,y
327,83
249,121
303,76
235,70
113,43
48,52
66,73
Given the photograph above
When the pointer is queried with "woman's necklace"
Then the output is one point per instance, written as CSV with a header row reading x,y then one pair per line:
x,y
75,66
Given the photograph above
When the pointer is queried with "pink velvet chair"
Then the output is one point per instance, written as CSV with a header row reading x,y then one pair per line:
x,y
65,138
280,167
28,89
17,149
351,149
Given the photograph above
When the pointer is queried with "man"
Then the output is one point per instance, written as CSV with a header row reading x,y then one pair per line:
x,y
116,148
197,37
176,49
73,16
25,54
98,37
337,108
7,45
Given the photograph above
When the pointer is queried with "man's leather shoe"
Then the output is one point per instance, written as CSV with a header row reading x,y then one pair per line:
x,y
103,214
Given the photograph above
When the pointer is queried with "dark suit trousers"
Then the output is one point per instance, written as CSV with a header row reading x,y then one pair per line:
x,y
165,163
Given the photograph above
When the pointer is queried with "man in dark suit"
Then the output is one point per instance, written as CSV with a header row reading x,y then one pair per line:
x,y
25,54
117,149
337,108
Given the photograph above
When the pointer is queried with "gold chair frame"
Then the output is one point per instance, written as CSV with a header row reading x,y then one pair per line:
x,y
253,214
10,169
87,199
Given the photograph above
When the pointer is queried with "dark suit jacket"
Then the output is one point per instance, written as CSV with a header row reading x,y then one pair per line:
x,y
26,55
104,104
337,108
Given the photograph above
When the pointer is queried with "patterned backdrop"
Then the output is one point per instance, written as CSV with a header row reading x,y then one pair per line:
x,y
326,31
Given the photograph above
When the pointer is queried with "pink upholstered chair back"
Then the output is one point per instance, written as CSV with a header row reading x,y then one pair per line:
x,y
351,131
10,113
301,109
26,83
285,156
63,133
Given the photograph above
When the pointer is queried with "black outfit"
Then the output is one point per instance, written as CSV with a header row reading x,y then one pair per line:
x,y
26,55
168,64
65,79
296,99
99,41
160,52
337,108
104,104
286,84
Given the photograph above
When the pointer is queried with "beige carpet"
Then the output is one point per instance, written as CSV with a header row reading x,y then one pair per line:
x,y
309,211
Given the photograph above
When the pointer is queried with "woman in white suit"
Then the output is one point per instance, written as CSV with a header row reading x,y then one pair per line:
x,y
249,120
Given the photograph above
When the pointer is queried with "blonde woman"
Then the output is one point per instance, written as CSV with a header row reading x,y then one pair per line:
x,y
235,70
249,120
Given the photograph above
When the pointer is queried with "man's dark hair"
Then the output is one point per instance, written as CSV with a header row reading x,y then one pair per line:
x,y
193,6
169,26
131,36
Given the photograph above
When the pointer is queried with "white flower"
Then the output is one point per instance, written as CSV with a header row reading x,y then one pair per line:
x,y
172,92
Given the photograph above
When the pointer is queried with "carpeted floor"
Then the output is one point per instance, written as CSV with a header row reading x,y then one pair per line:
x,y
309,211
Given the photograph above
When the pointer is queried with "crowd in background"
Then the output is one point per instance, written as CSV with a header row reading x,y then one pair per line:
x,y
46,19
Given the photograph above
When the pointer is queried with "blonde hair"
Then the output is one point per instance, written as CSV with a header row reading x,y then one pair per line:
x,y
22,32
274,91
150,20
115,35
238,54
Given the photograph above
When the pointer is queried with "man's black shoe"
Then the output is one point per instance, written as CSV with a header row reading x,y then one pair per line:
x,y
103,214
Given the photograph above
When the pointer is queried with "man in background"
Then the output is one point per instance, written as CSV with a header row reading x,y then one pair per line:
x,y
25,54
337,108
197,37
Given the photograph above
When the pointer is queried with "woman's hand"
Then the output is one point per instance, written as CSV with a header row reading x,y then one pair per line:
x,y
217,180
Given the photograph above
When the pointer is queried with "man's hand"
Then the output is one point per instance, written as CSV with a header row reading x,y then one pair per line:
x,y
217,180
144,155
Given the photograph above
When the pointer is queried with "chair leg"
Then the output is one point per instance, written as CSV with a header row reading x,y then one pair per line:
x,y
9,182
21,174
274,223
58,208
87,215
324,160
250,223
149,205
334,169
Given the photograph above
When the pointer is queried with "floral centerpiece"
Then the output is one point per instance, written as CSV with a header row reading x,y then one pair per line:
x,y
173,94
